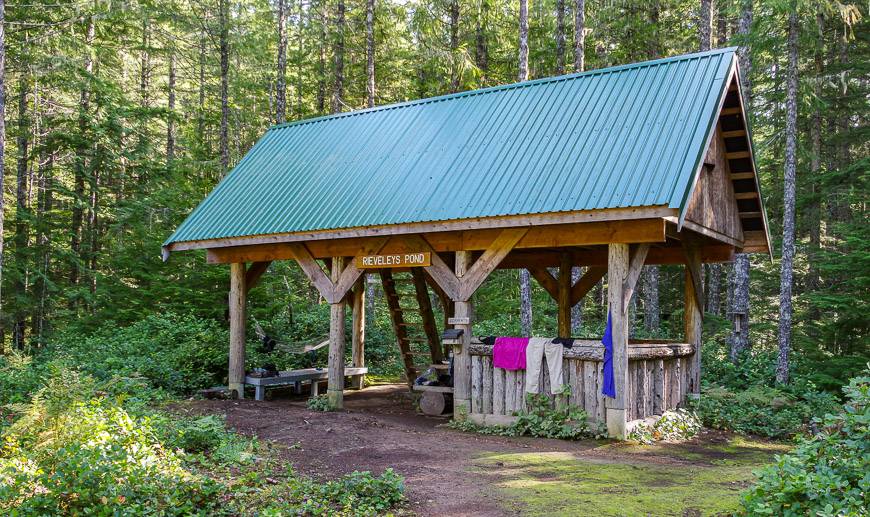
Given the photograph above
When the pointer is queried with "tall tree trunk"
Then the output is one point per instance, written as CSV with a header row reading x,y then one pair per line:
x,y
813,211
200,112
739,309
321,62
577,310
525,302
22,211
455,73
2,146
370,53
705,25
338,91
560,37
714,289
225,84
788,217
80,165
45,205
524,44
281,82
655,47
481,49
651,306
579,35
300,44
170,107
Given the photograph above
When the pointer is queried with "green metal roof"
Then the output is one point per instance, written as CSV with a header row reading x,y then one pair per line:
x,y
626,136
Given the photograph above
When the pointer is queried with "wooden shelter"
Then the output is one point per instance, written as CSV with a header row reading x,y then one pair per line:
x,y
649,163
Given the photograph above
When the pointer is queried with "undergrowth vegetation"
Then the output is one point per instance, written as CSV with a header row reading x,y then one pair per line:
x,y
672,426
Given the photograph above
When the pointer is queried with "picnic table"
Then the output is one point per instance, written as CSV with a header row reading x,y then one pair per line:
x,y
296,378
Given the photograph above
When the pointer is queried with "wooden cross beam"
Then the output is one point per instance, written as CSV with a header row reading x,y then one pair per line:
x,y
635,266
693,268
581,287
254,272
333,291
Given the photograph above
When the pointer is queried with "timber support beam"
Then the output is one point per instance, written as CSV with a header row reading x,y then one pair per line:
x,y
238,292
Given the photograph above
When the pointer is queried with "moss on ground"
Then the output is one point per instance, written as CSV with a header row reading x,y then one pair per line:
x,y
630,480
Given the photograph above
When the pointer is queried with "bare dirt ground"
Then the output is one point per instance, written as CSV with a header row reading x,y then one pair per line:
x,y
445,471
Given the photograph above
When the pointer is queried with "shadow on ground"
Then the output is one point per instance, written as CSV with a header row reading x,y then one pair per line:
x,y
452,473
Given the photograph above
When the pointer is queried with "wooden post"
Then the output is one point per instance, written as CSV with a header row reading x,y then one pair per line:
x,y
694,319
461,356
335,377
358,337
236,377
617,271
564,299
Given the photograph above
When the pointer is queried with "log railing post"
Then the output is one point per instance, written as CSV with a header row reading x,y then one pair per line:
x,y
694,320
335,375
236,377
358,337
617,271
461,355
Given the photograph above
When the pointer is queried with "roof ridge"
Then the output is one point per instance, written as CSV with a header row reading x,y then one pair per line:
x,y
504,87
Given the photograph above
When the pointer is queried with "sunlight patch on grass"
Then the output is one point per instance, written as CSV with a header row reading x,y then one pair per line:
x,y
562,483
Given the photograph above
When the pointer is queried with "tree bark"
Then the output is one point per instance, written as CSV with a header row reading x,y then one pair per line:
x,y
579,35
225,85
788,219
524,45
321,63
652,311
714,291
705,25
560,37
22,211
455,75
170,106
576,310
200,115
721,26
338,91
481,50
281,79
80,165
2,143
814,280
525,302
370,53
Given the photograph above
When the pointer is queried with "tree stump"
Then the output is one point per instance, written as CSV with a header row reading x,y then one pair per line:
x,y
434,403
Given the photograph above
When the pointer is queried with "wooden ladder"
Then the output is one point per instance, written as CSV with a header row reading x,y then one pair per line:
x,y
413,320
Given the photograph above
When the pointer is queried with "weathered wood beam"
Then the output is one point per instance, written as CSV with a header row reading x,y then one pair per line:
x,y
335,373
491,258
255,271
427,315
546,280
693,319
313,271
236,377
586,282
635,266
563,298
461,353
438,270
551,236
358,331
617,270
693,273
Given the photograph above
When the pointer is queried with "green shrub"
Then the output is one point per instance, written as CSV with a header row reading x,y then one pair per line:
x,y
357,494
827,474
94,458
672,426
760,410
319,403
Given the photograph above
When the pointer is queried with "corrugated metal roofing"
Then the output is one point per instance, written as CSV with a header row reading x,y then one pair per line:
x,y
626,136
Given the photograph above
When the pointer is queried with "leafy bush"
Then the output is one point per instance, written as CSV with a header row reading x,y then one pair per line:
x,y
672,426
827,474
175,353
319,403
93,458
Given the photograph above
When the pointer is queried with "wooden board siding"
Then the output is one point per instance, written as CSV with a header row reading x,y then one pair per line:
x,y
657,380
712,204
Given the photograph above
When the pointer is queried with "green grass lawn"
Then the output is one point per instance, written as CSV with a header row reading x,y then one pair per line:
x,y
621,479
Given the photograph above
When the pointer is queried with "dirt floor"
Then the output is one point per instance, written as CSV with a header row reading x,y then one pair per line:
x,y
454,473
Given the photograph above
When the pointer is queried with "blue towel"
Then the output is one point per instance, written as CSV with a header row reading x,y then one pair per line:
x,y
608,388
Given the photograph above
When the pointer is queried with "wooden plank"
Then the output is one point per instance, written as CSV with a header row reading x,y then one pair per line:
x,y
590,389
650,395
586,282
600,404
659,405
674,384
519,388
694,317
546,280
461,356
575,381
635,266
731,111
476,385
742,176
358,331
236,376
733,134
746,195
486,369
314,272
487,262
335,378
750,215
480,223
737,155
498,391
510,392
254,272
427,315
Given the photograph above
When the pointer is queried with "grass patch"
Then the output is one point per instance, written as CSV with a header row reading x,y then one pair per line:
x,y
684,480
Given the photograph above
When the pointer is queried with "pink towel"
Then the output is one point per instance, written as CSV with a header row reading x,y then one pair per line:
x,y
510,353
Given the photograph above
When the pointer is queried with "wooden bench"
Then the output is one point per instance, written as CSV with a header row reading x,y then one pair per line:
x,y
296,378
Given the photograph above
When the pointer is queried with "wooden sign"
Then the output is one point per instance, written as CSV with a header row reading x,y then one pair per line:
x,y
420,259
458,321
